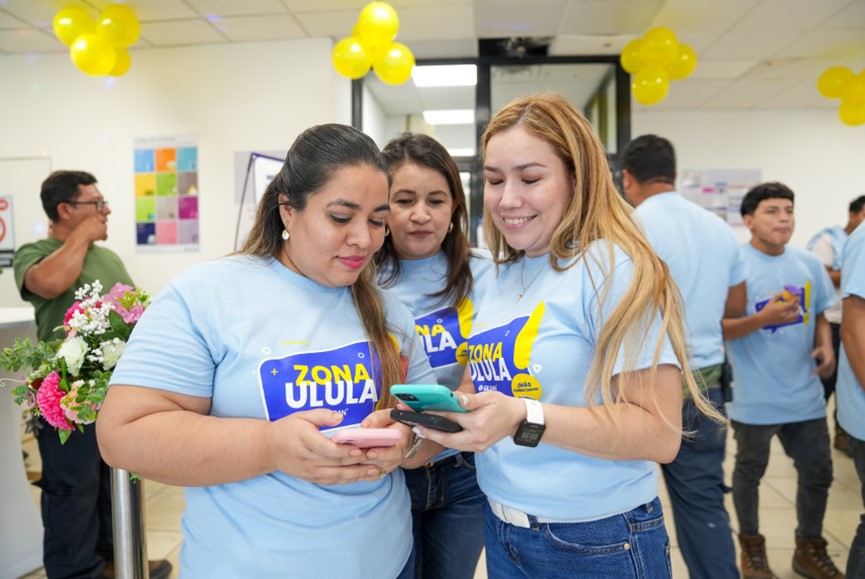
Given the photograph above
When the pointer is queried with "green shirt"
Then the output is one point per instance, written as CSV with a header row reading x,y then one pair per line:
x,y
100,264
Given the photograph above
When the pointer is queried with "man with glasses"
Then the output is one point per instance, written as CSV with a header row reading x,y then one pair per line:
x,y
75,483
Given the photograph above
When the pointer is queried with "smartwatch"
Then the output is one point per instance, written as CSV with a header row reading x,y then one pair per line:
x,y
530,430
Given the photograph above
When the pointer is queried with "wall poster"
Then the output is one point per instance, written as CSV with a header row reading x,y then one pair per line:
x,y
719,190
166,193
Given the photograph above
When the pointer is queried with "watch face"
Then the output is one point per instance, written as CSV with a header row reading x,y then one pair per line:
x,y
529,434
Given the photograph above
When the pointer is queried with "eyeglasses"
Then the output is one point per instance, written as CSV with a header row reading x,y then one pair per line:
x,y
100,203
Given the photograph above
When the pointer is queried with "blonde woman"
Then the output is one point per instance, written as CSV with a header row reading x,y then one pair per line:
x,y
576,356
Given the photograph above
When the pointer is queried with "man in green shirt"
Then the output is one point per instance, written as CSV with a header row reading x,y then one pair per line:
x,y
76,482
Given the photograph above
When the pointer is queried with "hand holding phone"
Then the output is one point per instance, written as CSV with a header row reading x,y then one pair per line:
x,y
433,421
422,397
368,437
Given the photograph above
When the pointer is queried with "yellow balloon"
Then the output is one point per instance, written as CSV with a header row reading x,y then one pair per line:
x,y
854,90
631,60
395,63
683,64
71,22
377,24
659,46
650,85
118,25
92,55
831,82
851,114
350,58
122,62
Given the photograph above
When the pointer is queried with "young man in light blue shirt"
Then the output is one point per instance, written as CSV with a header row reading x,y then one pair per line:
x,y
851,375
779,350
705,261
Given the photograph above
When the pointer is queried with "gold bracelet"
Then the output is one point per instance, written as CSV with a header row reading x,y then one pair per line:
x,y
414,448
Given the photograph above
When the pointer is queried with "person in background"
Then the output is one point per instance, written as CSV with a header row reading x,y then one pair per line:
x,y
427,262
851,377
778,349
577,355
706,263
241,370
827,244
76,483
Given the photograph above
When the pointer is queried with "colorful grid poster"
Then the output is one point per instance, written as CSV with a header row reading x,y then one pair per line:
x,y
166,193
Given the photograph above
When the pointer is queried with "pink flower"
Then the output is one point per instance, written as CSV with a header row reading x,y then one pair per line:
x,y
73,309
131,316
48,399
119,294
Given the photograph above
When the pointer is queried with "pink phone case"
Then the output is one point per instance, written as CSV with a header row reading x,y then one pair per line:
x,y
368,437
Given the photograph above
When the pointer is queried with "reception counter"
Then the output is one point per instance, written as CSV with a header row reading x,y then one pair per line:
x,y
20,523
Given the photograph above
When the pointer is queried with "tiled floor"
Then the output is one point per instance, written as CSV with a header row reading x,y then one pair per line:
x,y
164,504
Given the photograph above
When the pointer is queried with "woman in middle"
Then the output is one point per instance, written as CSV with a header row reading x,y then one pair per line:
x,y
427,262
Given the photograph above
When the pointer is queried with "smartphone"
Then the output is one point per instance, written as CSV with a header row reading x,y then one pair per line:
x,y
368,437
433,421
421,397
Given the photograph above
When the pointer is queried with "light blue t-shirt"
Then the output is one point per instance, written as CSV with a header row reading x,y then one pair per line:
x,y
838,237
263,342
849,392
541,346
443,328
774,377
705,260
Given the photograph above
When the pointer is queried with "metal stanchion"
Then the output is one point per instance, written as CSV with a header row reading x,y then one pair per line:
x,y
130,547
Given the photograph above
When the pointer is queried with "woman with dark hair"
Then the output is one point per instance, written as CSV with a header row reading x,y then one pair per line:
x,y
427,262
242,368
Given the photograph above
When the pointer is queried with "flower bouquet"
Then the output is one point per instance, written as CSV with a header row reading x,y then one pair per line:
x,y
68,378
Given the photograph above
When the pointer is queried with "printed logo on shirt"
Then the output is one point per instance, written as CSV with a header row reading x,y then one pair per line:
x,y
499,357
444,333
339,379
790,292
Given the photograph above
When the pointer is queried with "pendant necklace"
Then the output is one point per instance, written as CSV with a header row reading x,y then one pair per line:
x,y
527,286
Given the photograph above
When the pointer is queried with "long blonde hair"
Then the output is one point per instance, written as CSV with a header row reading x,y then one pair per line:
x,y
597,214
315,156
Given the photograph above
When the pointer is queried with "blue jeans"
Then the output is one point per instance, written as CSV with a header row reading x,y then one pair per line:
x,y
447,518
807,443
631,545
856,559
695,483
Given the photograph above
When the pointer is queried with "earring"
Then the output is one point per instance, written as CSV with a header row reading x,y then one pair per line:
x,y
285,235
450,226
386,231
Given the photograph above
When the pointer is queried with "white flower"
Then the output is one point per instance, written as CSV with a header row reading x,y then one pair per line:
x,y
73,350
111,352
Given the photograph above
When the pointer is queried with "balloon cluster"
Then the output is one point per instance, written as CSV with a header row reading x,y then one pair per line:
x,y
371,44
655,60
98,47
842,83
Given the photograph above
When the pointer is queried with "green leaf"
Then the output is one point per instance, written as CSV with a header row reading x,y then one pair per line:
x,y
119,328
64,435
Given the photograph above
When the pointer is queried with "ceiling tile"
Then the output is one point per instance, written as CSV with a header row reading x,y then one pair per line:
x,y
827,44
9,22
327,24
180,33
29,40
258,28
150,10
435,22
853,16
223,8
746,94
702,15
453,48
708,68
507,18
40,13
609,16
798,15
752,44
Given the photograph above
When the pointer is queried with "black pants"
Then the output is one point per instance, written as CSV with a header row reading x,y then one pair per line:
x,y
76,505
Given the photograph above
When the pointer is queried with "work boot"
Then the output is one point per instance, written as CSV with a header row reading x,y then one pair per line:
x,y
841,440
811,559
752,559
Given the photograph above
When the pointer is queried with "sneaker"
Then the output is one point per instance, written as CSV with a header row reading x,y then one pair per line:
x,y
753,559
811,559
156,569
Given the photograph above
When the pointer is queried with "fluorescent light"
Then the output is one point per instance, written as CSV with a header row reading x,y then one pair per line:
x,y
466,152
450,117
445,75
